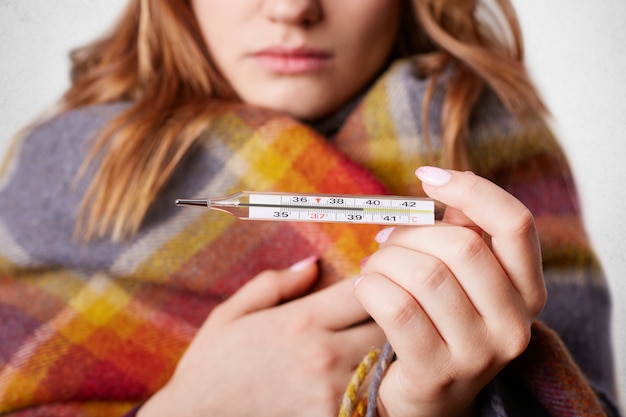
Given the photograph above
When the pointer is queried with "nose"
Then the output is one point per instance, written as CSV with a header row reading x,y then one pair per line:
x,y
300,12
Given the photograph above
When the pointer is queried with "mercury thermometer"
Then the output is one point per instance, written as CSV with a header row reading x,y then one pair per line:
x,y
333,208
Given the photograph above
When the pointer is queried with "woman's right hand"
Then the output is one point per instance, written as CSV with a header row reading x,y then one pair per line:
x,y
271,350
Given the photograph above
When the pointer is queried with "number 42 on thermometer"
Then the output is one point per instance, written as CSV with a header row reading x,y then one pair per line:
x,y
333,208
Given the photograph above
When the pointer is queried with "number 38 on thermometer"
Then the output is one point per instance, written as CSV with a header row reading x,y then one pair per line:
x,y
322,208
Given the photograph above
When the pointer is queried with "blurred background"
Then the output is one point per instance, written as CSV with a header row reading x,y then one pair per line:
x,y
576,52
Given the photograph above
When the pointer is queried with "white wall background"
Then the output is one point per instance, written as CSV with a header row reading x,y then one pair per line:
x,y
576,52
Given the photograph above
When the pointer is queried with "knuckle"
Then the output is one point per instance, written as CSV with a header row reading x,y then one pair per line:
x,y
515,340
322,357
474,357
302,323
470,246
478,363
400,313
432,275
473,186
522,223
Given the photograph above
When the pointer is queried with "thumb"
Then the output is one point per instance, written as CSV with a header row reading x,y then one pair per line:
x,y
451,214
270,288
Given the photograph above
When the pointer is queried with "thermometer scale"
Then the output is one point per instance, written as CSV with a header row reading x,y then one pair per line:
x,y
333,208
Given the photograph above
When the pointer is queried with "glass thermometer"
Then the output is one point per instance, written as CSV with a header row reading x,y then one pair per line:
x,y
337,208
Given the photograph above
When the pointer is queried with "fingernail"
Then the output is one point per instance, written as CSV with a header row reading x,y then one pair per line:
x,y
303,264
356,281
383,235
433,175
364,261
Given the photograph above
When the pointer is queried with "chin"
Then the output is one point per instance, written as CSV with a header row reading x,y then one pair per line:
x,y
308,108
302,101
295,109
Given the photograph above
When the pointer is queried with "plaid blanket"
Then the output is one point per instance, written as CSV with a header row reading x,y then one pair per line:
x,y
94,329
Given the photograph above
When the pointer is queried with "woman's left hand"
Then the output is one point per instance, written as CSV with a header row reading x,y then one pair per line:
x,y
457,299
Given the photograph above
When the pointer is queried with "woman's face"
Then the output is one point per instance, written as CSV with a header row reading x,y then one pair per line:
x,y
303,57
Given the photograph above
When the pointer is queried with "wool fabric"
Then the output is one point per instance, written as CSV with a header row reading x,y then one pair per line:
x,y
94,329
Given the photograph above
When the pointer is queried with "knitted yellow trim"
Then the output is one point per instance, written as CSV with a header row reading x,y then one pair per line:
x,y
351,404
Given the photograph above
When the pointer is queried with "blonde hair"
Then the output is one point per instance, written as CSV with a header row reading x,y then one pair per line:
x,y
155,58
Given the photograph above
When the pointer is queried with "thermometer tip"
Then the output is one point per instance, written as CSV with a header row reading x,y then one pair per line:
x,y
186,202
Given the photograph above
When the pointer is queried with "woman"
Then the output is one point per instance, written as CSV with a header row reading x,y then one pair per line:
x,y
128,303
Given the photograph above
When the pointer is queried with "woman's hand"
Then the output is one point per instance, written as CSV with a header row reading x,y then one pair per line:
x,y
456,300
267,352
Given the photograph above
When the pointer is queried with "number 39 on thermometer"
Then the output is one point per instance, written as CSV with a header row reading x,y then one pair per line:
x,y
343,208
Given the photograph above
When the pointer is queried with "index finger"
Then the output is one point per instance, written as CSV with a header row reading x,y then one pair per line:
x,y
514,238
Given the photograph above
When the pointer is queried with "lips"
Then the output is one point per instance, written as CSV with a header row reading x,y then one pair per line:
x,y
292,61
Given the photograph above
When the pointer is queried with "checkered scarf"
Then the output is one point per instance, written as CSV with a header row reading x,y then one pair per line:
x,y
94,329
